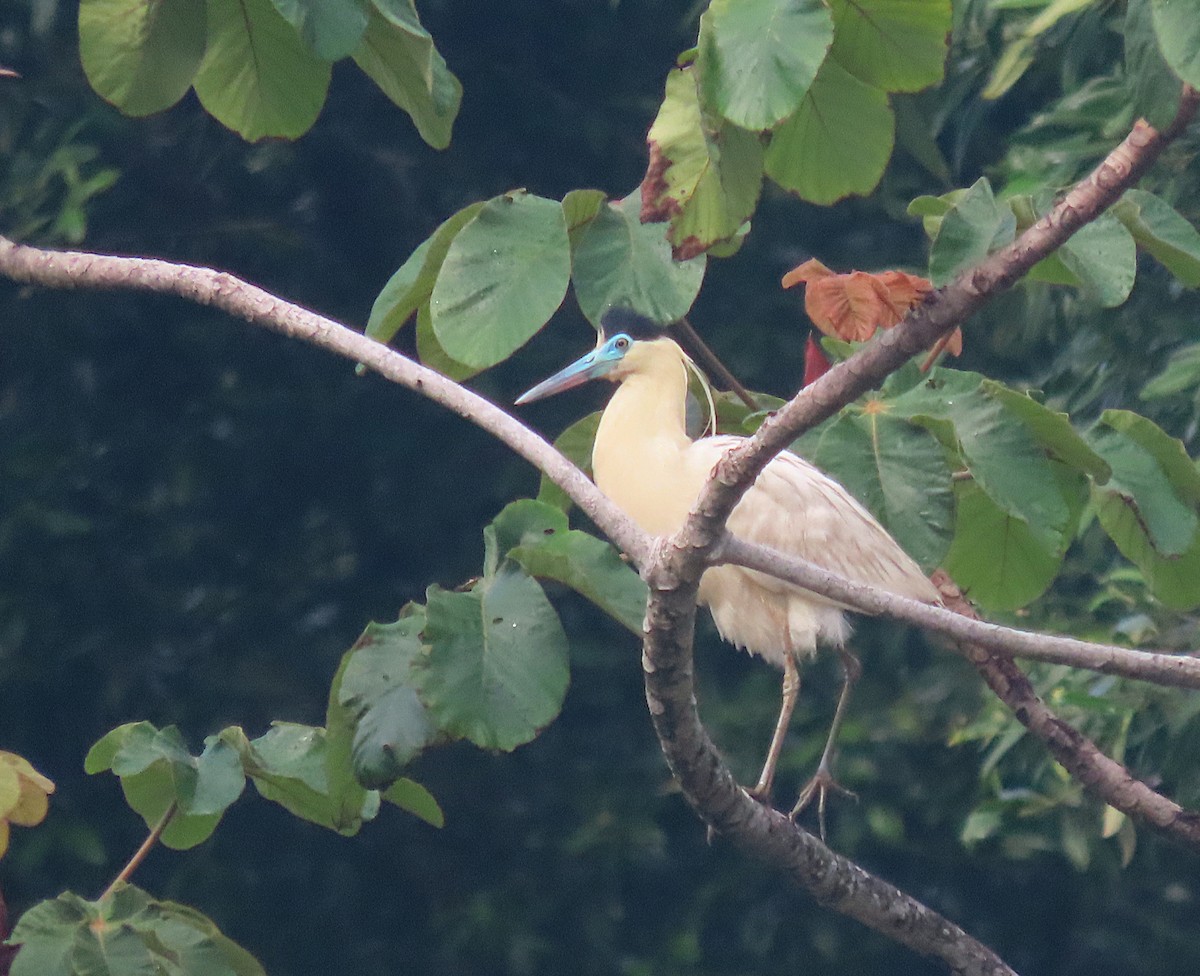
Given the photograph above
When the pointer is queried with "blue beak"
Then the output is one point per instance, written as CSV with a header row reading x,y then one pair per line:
x,y
595,364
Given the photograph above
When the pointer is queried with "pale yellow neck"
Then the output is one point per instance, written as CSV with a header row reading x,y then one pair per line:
x,y
639,457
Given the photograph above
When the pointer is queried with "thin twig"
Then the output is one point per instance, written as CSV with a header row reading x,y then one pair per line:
x,y
713,363
140,854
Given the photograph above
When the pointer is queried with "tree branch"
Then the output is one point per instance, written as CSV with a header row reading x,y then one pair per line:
x,y
673,566
1172,670
1102,776
833,880
757,830
676,564
78,269
943,310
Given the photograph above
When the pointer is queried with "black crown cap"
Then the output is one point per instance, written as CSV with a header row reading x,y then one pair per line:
x,y
619,320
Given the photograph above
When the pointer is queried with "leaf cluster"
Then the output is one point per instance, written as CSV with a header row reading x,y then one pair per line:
x,y
262,67
126,931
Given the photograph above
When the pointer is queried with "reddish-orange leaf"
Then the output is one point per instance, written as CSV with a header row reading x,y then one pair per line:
x,y
853,305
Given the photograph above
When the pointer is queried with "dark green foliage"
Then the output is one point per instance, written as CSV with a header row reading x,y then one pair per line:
x,y
196,521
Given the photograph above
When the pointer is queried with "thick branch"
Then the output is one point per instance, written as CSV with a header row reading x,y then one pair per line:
x,y
676,564
944,310
75,269
674,568
1172,670
758,830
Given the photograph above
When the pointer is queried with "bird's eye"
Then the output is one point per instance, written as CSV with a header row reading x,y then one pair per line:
x,y
621,343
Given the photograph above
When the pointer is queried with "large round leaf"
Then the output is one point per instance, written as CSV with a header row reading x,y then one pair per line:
x,y
141,56
899,471
704,175
258,77
399,56
1177,23
758,57
331,28
618,260
837,143
995,558
895,45
496,673
504,275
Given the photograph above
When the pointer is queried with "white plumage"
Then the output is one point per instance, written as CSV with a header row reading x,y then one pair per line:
x,y
645,462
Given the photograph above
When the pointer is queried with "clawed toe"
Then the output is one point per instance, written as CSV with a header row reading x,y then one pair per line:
x,y
819,787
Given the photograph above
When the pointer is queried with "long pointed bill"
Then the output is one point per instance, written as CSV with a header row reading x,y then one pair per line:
x,y
585,368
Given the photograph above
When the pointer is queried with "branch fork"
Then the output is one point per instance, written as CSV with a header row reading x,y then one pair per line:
x,y
672,567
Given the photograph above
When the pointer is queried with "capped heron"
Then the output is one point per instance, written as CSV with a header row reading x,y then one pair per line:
x,y
645,462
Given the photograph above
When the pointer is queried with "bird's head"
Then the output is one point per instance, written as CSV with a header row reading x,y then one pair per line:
x,y
629,343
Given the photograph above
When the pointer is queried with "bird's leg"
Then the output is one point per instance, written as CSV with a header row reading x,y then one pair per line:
x,y
791,691
822,782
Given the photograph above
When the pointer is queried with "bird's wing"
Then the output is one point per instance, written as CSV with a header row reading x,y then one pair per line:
x,y
796,509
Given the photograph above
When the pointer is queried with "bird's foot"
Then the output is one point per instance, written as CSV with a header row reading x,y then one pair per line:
x,y
819,788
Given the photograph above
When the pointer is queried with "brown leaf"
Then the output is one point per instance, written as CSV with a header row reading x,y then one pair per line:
x,y
851,306
657,205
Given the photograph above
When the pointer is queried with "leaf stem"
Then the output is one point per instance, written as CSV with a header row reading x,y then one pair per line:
x,y
714,364
140,854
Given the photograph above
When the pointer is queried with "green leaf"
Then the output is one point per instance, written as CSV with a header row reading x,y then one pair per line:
x,y
1005,460
1182,372
412,285
1155,87
580,207
391,726
497,666
330,28
288,765
1160,230
1153,480
1103,257
757,58
157,772
1019,53
995,559
970,230
536,536
896,47
505,274
431,353
899,471
932,209
258,77
575,444
398,54
127,932
219,779
1051,429
46,934
1177,23
704,175
823,156
141,56
415,799
618,260
111,951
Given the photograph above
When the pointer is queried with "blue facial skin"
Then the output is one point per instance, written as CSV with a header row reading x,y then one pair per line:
x,y
595,364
